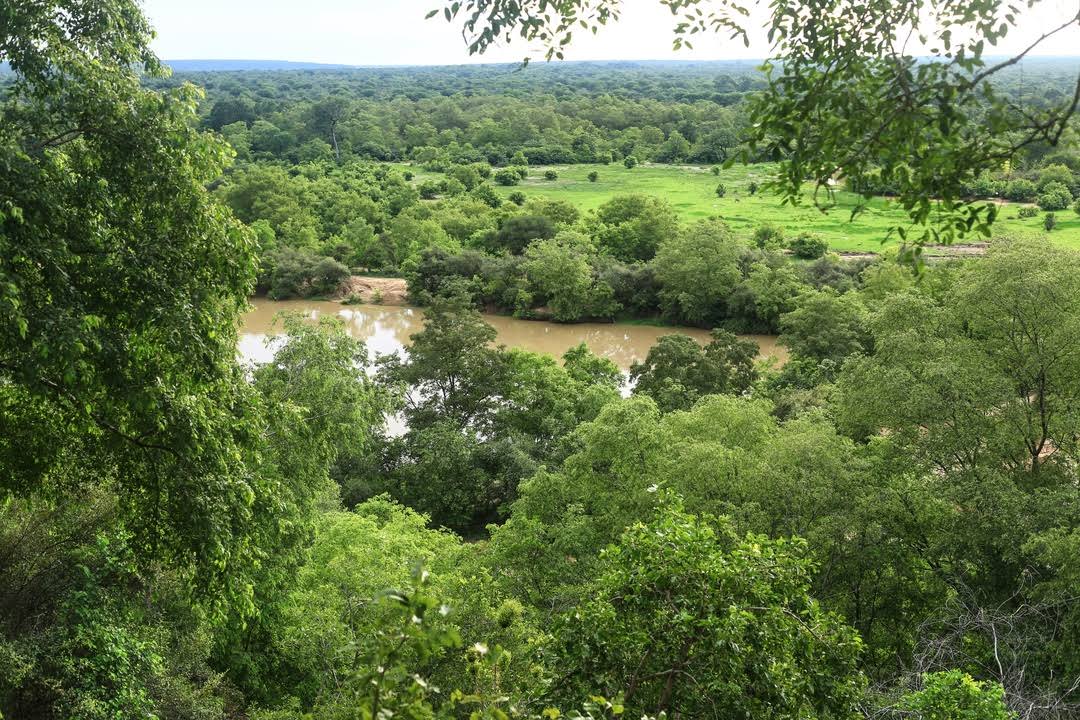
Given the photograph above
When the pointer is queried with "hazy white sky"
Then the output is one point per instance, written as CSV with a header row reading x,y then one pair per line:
x,y
394,32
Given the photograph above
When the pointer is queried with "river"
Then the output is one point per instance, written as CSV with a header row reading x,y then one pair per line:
x,y
386,329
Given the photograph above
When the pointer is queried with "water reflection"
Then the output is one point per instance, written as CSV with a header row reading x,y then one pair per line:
x,y
386,329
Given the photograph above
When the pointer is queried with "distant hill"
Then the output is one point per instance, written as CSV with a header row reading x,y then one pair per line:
x,y
234,65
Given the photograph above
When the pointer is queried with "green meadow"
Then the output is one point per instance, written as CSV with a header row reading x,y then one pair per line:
x,y
691,190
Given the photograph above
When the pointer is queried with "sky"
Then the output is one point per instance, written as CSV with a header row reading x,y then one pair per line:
x,y
394,32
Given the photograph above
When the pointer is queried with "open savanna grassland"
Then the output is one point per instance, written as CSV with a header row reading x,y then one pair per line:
x,y
691,190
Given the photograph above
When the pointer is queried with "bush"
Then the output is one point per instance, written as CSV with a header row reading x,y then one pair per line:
x,y
429,189
1055,196
517,197
769,237
551,175
1027,211
809,247
715,169
721,190
752,188
594,176
1049,221
408,176
1021,190
507,177
521,170
630,162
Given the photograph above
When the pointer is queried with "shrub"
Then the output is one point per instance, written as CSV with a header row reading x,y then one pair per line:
x,y
769,237
809,247
507,177
409,175
1055,174
630,162
715,169
594,176
1055,196
1049,221
752,188
551,175
521,170
517,197
429,189
721,190
1027,211
1021,190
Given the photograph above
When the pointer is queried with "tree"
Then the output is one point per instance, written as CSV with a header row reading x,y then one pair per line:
x,y
107,231
954,695
506,177
678,372
630,162
826,326
697,270
558,271
808,247
327,115
451,369
1054,196
988,378
632,227
594,176
551,175
689,619
518,231
864,112
721,190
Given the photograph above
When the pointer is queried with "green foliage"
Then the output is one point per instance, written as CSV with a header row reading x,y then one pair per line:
x,y
1055,196
518,231
506,176
769,237
721,190
551,175
517,197
808,247
632,227
1049,221
1028,211
697,269
826,326
558,271
630,162
678,371
594,176
954,695
688,619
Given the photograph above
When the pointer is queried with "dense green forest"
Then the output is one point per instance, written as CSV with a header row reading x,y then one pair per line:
x,y
474,147
887,526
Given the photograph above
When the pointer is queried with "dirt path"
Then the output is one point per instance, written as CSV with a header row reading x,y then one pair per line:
x,y
387,291
930,251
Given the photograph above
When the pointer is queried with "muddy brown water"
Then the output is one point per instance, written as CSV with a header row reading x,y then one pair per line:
x,y
386,329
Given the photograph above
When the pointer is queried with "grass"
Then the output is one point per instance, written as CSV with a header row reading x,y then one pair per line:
x,y
691,190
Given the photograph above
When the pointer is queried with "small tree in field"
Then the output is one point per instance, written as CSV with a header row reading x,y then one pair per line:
x,y
752,188
594,176
551,175
1049,221
721,190
630,162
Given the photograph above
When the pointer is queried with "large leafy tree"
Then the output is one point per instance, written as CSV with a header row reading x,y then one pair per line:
x,y
691,620
121,282
850,90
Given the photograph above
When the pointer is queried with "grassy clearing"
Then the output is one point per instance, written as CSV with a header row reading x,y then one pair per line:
x,y
692,191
